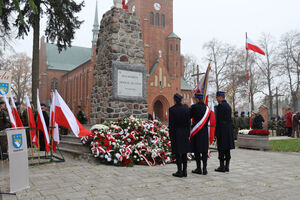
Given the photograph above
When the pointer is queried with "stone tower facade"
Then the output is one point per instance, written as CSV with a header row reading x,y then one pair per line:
x,y
163,59
119,50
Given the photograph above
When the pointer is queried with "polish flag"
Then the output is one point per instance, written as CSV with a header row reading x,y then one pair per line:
x,y
166,114
41,124
212,123
31,122
124,5
64,117
10,113
252,46
53,131
15,111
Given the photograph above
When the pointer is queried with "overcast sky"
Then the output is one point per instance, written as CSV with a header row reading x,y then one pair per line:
x,y
198,21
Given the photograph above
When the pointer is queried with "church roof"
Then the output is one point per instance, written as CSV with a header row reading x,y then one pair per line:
x,y
173,35
185,85
154,67
67,59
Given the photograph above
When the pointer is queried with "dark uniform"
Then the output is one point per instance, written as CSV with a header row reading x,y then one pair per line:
x,y
199,142
4,123
179,130
81,117
224,133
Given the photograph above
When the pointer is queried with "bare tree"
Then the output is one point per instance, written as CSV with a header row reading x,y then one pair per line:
x,y
20,66
235,78
290,63
219,54
267,65
190,65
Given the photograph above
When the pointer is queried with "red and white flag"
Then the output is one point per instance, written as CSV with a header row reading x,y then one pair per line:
x,y
31,122
41,124
124,5
53,131
212,123
10,113
15,111
64,117
166,114
252,46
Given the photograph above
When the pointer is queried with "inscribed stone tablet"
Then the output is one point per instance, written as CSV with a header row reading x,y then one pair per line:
x,y
130,83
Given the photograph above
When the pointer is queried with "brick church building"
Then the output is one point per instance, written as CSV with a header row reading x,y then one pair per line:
x,y
71,71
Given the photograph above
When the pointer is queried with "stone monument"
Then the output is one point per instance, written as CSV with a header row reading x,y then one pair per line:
x,y
119,88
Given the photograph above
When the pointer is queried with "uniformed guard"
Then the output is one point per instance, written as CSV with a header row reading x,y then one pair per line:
x,y
179,130
224,132
81,116
199,140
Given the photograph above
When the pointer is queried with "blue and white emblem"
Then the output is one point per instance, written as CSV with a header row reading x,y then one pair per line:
x,y
4,87
17,140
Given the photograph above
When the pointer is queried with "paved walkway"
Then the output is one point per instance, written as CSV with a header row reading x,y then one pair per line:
x,y
254,175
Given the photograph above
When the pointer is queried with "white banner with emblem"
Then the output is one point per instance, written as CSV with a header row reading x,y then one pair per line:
x,y
18,159
5,82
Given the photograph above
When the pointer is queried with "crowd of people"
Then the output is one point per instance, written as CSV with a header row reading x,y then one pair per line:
x,y
5,123
243,122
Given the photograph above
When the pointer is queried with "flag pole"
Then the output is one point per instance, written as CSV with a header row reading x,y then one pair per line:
x,y
249,82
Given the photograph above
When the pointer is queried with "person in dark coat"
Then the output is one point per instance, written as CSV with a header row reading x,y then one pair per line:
x,y
258,121
224,132
81,116
179,130
41,134
199,142
4,123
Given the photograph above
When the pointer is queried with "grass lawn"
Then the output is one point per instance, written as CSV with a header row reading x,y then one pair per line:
x,y
291,145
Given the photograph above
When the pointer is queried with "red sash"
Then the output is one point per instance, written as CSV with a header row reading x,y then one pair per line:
x,y
201,123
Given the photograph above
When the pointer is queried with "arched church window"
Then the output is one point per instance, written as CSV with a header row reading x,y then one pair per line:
x,y
176,47
54,84
151,18
162,20
157,19
171,47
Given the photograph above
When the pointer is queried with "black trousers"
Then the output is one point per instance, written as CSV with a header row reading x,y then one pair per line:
x,y
181,158
201,156
224,155
289,131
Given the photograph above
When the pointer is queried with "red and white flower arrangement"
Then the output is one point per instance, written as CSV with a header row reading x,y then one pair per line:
x,y
131,141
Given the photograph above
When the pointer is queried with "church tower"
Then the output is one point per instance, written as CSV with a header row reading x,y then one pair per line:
x,y
95,26
163,60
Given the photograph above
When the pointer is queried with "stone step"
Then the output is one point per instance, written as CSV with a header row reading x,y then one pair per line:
x,y
76,154
70,138
77,146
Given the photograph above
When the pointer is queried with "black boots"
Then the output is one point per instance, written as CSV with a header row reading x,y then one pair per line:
x,y
204,167
227,165
221,168
184,173
198,169
179,172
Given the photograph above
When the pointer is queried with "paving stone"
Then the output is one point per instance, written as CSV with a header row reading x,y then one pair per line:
x,y
253,175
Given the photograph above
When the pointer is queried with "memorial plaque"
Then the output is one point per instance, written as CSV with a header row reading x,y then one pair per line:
x,y
130,83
